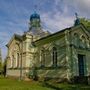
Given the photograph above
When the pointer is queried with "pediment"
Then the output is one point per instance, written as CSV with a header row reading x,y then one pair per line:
x,y
80,37
81,31
13,39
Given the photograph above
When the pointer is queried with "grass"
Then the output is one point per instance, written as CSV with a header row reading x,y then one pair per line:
x,y
11,84
66,86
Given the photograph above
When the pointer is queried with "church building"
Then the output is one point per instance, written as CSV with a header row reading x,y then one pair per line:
x,y
38,54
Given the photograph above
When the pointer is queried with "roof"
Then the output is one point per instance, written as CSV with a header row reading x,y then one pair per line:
x,y
61,31
15,36
53,34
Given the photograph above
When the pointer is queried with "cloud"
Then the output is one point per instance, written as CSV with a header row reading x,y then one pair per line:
x,y
55,15
7,29
63,16
81,6
4,37
58,22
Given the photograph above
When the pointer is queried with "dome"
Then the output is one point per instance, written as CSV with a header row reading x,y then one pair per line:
x,y
34,16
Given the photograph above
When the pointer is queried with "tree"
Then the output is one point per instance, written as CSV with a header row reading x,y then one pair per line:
x,y
4,68
0,62
86,23
0,67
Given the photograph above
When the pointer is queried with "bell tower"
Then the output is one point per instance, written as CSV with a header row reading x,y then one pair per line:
x,y
35,28
35,24
35,21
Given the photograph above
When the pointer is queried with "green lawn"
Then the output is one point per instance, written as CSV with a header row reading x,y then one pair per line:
x,y
11,84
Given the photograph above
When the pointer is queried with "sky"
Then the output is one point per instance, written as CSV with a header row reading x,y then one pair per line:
x,y
55,15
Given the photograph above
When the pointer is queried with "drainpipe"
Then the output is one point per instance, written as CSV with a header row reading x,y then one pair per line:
x,y
21,61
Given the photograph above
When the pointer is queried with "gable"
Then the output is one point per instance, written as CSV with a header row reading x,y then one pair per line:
x,y
15,37
80,30
80,37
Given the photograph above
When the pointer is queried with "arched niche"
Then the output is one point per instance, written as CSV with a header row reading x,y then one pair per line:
x,y
15,56
54,56
76,39
83,42
42,56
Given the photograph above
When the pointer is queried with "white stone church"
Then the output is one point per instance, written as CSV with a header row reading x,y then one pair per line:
x,y
63,56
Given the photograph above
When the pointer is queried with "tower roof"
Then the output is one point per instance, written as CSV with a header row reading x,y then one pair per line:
x,y
34,16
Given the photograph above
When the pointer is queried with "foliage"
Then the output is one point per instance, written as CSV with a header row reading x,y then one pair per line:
x,y
0,62
86,22
0,65
33,74
1,68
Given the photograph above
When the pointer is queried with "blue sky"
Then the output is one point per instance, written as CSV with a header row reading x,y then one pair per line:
x,y
55,15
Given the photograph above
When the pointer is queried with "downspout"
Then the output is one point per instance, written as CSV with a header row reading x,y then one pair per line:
x,y
21,61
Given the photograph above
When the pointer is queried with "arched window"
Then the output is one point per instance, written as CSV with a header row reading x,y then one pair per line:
x,y
83,41
76,39
16,54
42,58
12,61
17,60
54,56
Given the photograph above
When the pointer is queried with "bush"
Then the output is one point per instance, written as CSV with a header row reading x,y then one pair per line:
x,y
33,74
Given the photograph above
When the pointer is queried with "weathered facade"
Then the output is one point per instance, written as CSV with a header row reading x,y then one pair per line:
x,y
63,55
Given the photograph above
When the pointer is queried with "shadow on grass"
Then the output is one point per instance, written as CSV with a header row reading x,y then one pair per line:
x,y
45,84
53,86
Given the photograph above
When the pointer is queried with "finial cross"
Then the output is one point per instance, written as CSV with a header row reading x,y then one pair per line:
x,y
76,15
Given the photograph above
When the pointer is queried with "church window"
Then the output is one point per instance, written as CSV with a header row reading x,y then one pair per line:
x,y
17,60
54,56
12,61
83,41
76,39
42,58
